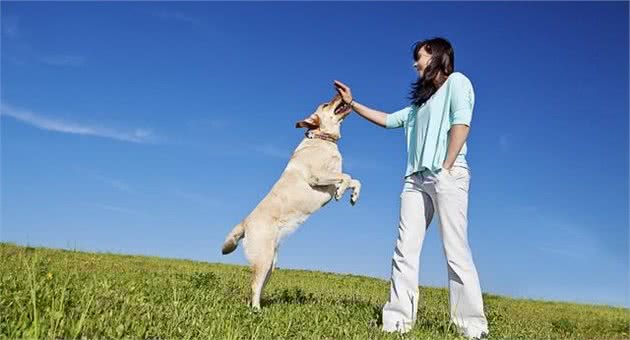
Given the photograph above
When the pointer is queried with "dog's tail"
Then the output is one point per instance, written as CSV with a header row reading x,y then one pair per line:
x,y
231,241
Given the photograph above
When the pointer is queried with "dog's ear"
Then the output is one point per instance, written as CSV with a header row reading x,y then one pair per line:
x,y
312,122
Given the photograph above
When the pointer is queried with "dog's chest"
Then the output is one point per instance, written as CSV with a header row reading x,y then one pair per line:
x,y
335,163
318,156
330,161
290,226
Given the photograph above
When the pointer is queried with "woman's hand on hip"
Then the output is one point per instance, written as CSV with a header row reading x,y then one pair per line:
x,y
344,91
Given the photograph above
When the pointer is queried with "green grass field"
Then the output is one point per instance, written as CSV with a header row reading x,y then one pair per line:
x,y
50,293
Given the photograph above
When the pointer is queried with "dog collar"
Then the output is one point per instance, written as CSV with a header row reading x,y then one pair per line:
x,y
321,135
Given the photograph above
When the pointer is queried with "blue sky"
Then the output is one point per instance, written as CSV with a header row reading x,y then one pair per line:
x,y
153,128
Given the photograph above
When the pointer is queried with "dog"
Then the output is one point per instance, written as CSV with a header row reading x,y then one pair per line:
x,y
311,179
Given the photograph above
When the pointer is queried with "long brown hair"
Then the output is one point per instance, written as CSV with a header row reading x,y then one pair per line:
x,y
439,68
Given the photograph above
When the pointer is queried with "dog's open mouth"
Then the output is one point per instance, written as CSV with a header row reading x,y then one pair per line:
x,y
342,108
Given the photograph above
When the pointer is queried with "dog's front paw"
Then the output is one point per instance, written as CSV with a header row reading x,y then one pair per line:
x,y
341,189
354,198
338,194
356,191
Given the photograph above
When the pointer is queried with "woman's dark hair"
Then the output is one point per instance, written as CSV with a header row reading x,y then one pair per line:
x,y
439,68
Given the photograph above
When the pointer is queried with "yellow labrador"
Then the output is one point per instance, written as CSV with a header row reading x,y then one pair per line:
x,y
310,180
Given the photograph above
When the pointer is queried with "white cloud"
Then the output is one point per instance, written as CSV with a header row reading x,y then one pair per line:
x,y
556,250
92,174
504,143
205,124
10,27
10,30
63,60
16,61
524,209
272,151
177,16
118,209
51,124
355,164
115,183
197,198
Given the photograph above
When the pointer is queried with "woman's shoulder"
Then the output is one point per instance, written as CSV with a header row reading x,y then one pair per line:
x,y
459,79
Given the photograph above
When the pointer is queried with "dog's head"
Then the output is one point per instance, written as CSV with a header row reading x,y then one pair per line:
x,y
328,117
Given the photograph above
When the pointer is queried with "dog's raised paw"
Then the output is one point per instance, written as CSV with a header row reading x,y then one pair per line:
x,y
338,194
354,198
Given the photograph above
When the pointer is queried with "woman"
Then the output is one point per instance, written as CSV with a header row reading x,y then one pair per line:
x,y
437,177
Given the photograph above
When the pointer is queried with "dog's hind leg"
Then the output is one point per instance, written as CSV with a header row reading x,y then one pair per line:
x,y
261,272
273,266
271,269
275,259
260,252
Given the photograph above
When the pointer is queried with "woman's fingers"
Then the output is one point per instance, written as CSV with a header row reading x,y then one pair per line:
x,y
339,84
343,90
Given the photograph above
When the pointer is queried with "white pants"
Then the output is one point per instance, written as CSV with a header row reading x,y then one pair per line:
x,y
422,194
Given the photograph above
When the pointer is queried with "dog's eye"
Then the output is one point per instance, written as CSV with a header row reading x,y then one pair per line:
x,y
325,105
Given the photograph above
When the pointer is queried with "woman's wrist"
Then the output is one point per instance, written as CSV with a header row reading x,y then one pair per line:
x,y
352,104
